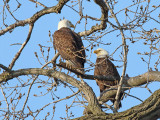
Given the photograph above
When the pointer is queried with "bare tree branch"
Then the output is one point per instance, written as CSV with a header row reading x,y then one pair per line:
x,y
104,19
5,68
148,110
85,76
36,16
22,47
128,82
90,95
57,101
133,82
28,93
38,3
53,60
132,27
116,104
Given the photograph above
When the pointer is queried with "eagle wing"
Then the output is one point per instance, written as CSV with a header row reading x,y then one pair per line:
x,y
70,46
105,67
80,45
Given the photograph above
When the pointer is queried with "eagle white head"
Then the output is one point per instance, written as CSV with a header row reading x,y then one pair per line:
x,y
65,23
101,53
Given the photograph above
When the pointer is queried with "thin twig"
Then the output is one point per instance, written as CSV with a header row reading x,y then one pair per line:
x,y
116,104
5,98
104,16
10,12
52,61
28,93
67,97
133,97
38,3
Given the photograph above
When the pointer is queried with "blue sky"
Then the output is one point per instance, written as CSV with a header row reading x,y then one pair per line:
x,y
135,66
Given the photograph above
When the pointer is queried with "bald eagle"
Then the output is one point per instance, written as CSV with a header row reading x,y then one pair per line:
x,y
69,45
105,67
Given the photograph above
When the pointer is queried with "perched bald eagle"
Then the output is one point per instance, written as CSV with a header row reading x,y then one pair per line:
x,y
69,45
105,67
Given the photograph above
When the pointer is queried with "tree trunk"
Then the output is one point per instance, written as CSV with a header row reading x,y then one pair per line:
x,y
148,110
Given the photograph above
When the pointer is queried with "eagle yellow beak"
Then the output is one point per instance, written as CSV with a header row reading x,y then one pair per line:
x,y
72,26
95,51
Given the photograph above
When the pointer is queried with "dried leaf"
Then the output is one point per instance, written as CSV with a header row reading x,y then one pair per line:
x,y
20,96
146,53
154,6
154,48
138,53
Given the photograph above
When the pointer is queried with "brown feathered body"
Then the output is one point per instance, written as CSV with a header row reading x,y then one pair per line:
x,y
70,47
105,67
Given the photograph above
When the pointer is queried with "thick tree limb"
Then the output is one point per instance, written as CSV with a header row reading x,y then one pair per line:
x,y
93,104
128,82
133,82
86,76
142,79
148,110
